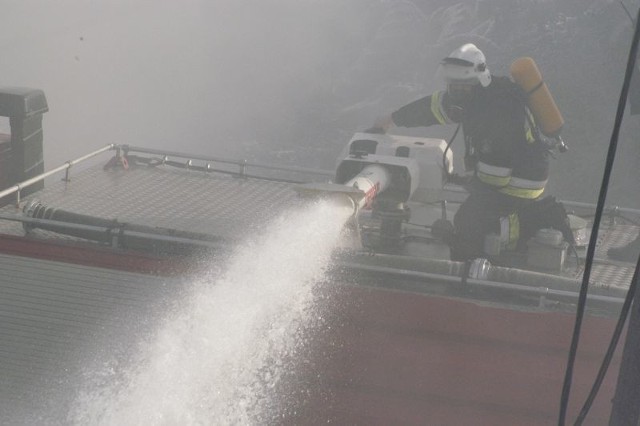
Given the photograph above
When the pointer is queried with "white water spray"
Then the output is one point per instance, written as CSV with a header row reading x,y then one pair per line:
x,y
215,360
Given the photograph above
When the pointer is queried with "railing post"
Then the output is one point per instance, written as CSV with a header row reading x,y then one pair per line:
x,y
66,172
613,215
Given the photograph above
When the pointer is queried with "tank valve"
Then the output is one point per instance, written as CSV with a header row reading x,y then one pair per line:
x,y
562,147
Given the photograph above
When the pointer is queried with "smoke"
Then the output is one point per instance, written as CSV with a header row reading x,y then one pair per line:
x,y
209,77
291,80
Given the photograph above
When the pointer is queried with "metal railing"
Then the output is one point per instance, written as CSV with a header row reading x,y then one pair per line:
x,y
17,188
242,165
615,298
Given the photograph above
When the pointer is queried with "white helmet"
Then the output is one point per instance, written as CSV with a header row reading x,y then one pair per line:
x,y
466,64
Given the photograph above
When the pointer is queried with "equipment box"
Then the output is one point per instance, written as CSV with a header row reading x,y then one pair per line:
x,y
546,256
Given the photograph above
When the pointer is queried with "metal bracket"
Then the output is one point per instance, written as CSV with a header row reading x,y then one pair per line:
x,y
117,161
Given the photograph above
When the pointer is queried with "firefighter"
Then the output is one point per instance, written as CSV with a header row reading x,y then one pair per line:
x,y
507,163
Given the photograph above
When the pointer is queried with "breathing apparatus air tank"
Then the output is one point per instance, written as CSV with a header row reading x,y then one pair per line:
x,y
525,73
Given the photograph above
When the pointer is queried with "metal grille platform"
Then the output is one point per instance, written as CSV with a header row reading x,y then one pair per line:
x,y
170,198
615,236
607,272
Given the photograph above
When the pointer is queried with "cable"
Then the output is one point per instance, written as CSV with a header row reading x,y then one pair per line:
x,y
624,313
447,149
627,12
582,297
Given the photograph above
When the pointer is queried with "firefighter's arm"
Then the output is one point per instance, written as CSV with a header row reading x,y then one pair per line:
x,y
424,112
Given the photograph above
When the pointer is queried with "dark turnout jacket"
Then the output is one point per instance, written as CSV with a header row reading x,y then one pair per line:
x,y
499,132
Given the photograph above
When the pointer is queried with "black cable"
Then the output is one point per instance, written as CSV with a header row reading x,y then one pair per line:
x,y
582,297
627,12
624,313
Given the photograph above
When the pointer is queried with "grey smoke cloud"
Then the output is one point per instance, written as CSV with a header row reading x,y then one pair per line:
x,y
195,76
261,78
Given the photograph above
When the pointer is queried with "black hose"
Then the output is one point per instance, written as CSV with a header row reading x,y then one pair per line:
x,y
624,313
582,297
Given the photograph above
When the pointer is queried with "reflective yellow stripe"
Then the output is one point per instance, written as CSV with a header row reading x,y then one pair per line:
x,y
488,169
524,188
518,182
509,231
514,231
493,175
436,108
527,128
522,193
529,135
498,181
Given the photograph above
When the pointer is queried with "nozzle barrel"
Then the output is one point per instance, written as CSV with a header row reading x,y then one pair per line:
x,y
342,195
357,193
